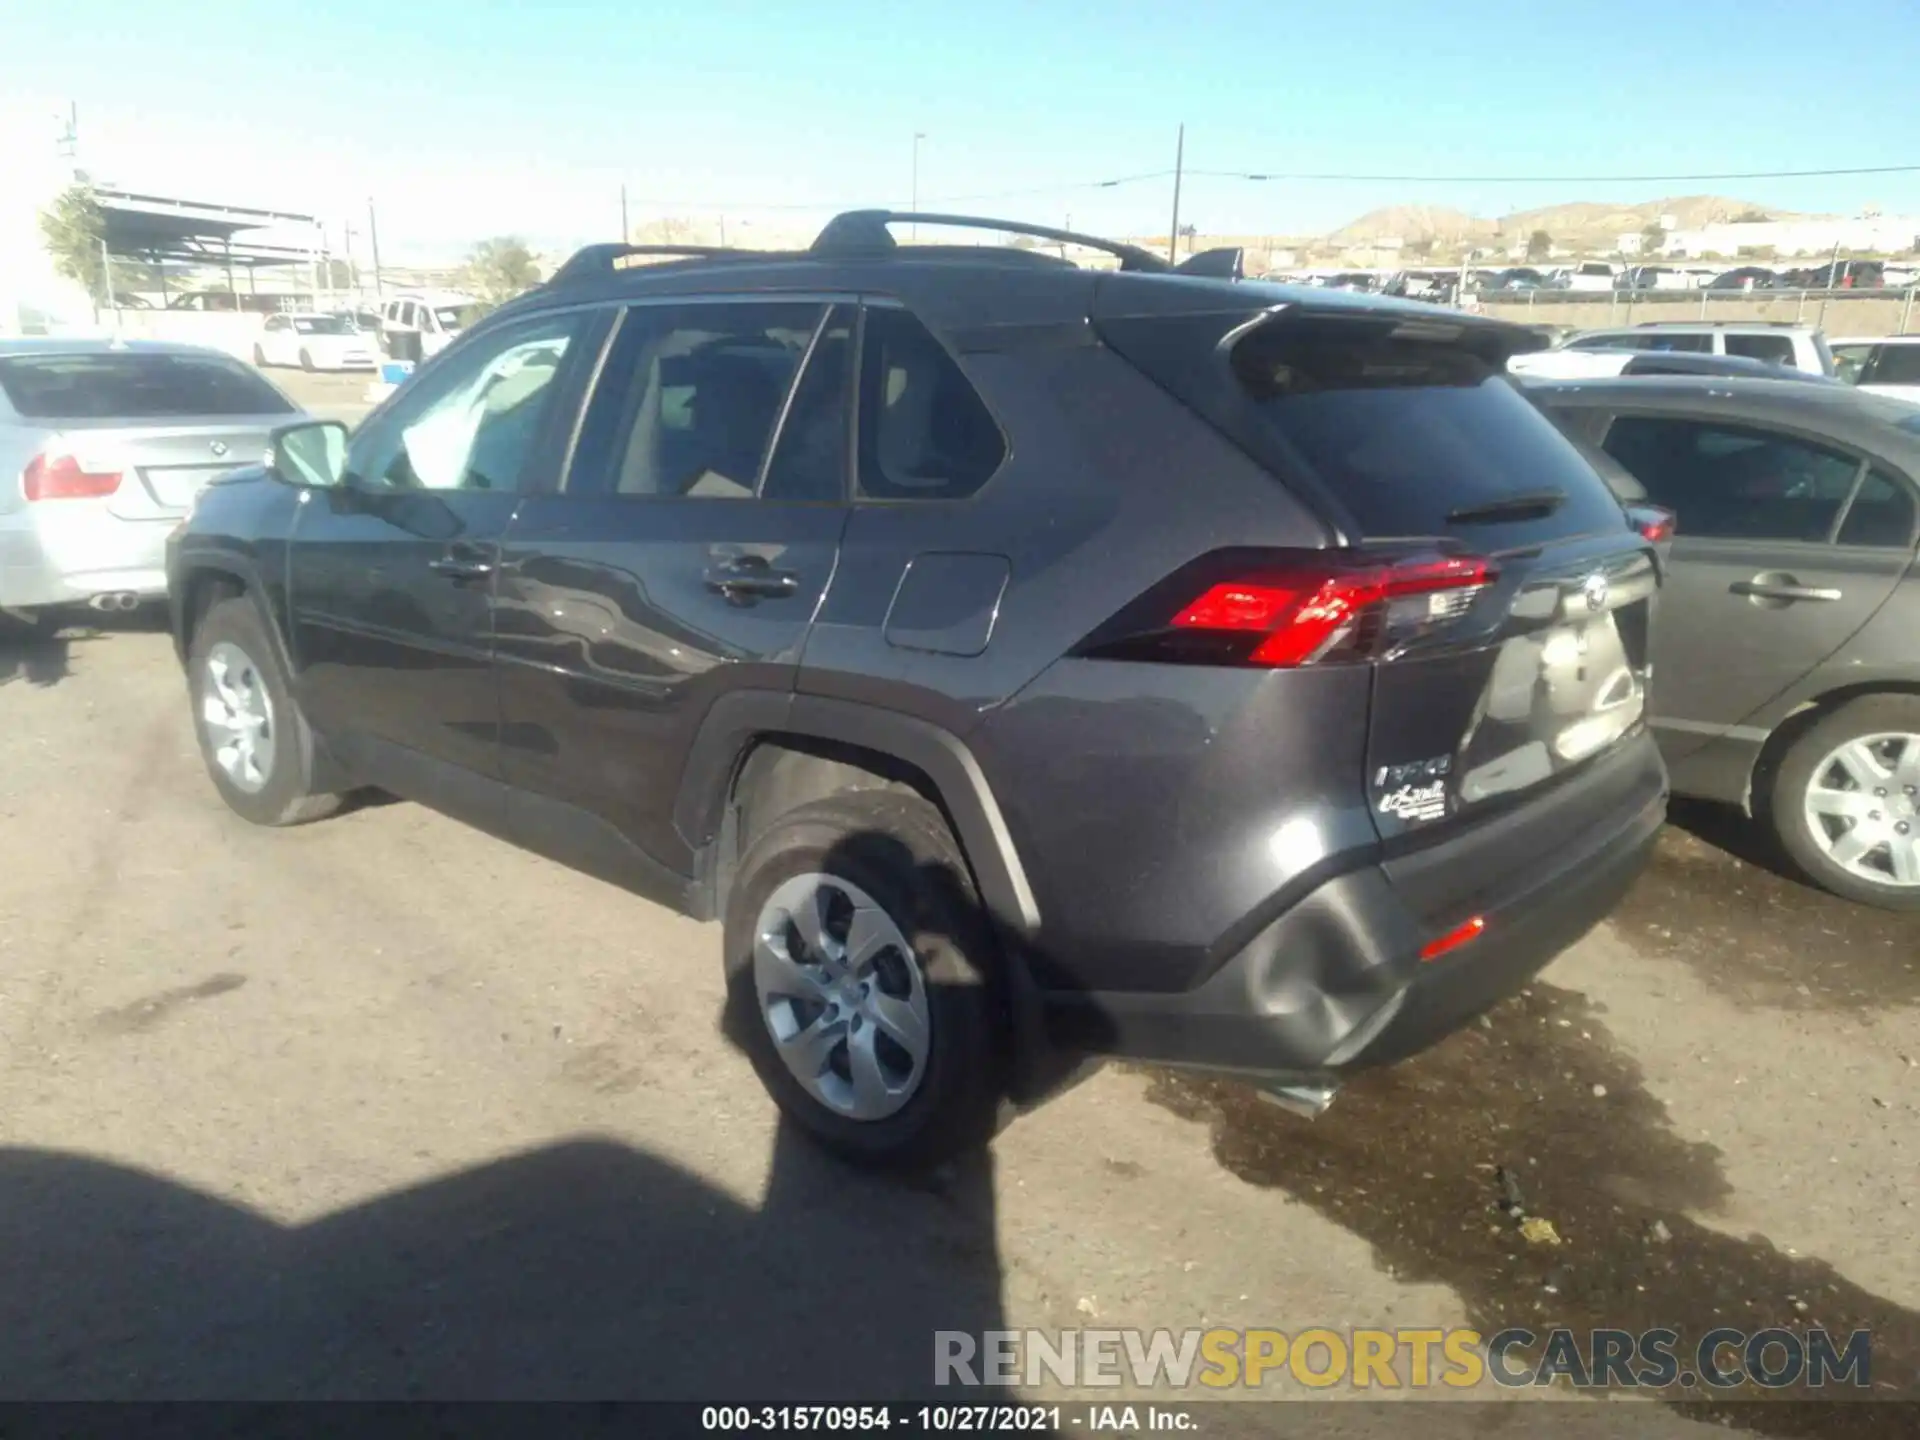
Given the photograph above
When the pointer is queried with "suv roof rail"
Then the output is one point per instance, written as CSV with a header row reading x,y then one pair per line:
x,y
855,232
596,260
1720,324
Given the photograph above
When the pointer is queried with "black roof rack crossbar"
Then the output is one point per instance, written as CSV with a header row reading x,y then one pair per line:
x,y
865,231
604,259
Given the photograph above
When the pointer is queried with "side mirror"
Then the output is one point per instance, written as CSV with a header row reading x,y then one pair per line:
x,y
311,454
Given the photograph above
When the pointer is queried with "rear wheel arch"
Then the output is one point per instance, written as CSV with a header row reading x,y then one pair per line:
x,y
1780,742
810,747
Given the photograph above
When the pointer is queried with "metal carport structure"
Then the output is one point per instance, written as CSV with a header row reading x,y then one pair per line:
x,y
155,229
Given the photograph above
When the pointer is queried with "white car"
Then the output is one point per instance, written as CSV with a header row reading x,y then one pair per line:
x,y
1796,347
1597,275
1882,365
313,342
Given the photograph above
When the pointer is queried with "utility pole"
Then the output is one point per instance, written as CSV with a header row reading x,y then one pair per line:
x,y
1179,161
106,277
373,242
915,205
626,232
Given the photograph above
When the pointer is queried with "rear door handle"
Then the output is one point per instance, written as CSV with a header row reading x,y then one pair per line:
x,y
744,580
1782,590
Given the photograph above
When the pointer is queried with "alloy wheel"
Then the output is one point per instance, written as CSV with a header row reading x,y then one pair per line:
x,y
843,996
237,715
1863,808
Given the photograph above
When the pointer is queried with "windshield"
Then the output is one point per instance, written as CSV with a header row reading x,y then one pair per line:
x,y
135,386
322,325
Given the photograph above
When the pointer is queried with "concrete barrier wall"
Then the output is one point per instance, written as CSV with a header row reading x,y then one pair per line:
x,y
1839,314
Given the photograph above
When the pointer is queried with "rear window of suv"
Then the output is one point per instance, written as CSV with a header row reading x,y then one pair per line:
x,y
1774,349
111,385
1407,432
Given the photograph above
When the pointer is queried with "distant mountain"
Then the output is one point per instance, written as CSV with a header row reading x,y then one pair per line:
x,y
1413,222
1571,223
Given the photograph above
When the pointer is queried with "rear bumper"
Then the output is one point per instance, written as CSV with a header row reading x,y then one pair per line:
x,y
1336,983
68,558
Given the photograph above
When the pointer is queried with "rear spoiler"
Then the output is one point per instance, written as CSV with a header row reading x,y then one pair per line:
x,y
1225,263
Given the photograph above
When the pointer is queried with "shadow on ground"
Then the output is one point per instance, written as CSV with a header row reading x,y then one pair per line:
x,y
1718,897
586,1271
41,654
1408,1159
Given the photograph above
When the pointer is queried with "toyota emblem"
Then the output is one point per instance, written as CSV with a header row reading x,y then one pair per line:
x,y
1596,590
219,447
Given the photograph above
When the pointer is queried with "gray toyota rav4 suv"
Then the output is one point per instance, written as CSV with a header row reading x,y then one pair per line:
x,y
1024,661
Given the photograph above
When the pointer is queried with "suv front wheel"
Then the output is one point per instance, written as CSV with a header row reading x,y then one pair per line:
x,y
861,977
256,745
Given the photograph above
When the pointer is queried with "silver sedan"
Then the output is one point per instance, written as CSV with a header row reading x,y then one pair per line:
x,y
103,446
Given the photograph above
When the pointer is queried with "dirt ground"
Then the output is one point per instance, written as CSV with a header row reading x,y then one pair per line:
x,y
384,1107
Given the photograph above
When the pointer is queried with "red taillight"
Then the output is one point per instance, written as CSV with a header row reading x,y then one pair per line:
x,y
1454,938
1319,605
1654,523
58,476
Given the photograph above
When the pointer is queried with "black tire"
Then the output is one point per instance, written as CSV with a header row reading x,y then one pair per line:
x,y
287,796
898,849
259,358
306,362
1869,715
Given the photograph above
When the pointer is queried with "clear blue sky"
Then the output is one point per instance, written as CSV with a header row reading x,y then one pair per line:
x,y
471,118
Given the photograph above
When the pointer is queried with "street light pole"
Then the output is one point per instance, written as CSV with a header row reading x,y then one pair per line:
x,y
373,243
917,138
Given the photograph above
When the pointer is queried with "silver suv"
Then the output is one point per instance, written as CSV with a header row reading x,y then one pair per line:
x,y
1797,347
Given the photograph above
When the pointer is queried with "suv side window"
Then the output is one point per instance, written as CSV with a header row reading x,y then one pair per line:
x,y
925,433
1850,362
1734,482
1894,365
1775,349
689,399
472,423
1683,344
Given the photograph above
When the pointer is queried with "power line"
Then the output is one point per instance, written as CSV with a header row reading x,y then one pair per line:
x,y
1292,177
1560,179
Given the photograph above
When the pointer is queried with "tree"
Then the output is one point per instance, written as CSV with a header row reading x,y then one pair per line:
x,y
1652,238
73,227
1539,245
500,268
1751,217
1420,249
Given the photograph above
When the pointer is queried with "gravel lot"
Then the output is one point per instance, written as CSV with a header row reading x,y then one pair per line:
x,y
382,1106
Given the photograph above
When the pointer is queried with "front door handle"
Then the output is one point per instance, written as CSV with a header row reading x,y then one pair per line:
x,y
750,578
1784,587
461,567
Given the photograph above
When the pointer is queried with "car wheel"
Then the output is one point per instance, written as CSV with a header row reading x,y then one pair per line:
x,y
259,357
861,980
255,743
1846,802
306,361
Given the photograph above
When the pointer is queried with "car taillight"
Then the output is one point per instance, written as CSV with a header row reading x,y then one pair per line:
x,y
58,476
1289,608
1654,523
